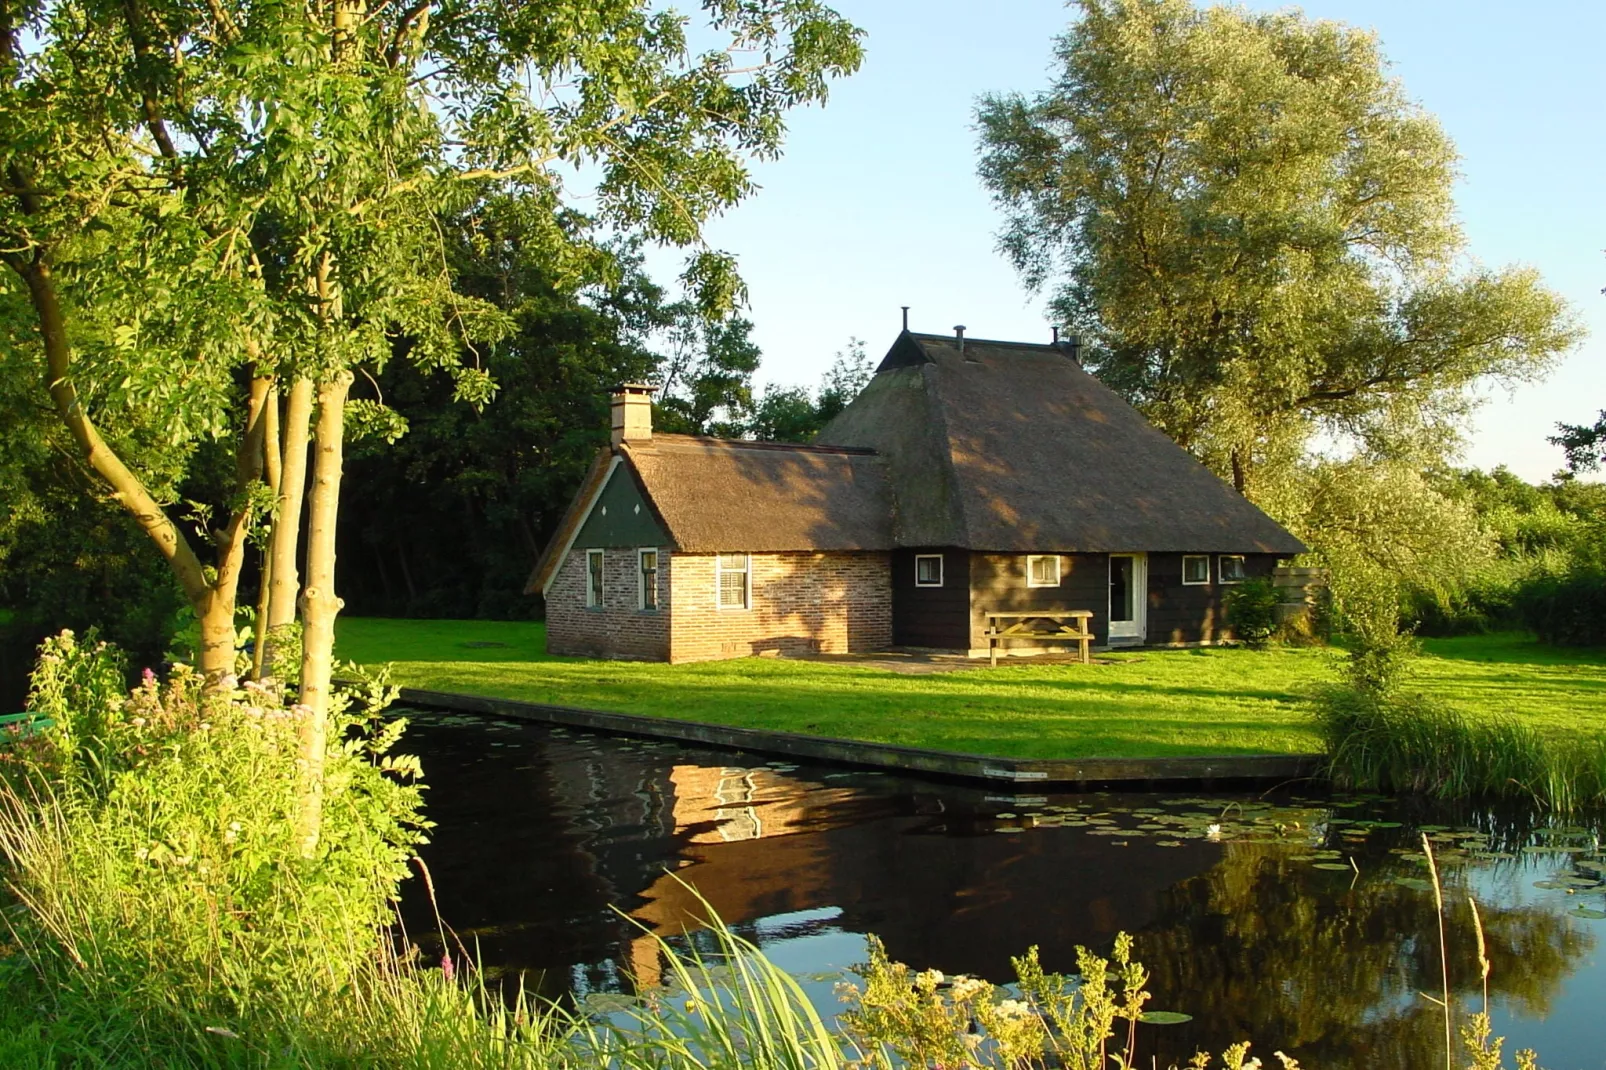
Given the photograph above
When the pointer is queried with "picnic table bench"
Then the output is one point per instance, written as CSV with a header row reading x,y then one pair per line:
x,y
1041,626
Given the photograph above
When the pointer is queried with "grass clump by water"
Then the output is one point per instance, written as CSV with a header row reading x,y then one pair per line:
x,y
1396,740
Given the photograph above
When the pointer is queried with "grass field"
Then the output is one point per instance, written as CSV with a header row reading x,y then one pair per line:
x,y
1148,704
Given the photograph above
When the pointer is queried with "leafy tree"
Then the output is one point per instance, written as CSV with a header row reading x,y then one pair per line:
x,y
1585,446
793,414
1252,226
206,206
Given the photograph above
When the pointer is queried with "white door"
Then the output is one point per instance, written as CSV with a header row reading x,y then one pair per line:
x,y
1129,603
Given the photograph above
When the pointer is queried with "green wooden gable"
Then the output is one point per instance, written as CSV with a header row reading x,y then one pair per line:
x,y
621,517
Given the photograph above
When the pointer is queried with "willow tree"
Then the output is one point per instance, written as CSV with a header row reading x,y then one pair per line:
x,y
1251,225
210,207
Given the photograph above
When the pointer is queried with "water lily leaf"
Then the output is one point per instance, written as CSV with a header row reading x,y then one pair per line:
x,y
1415,883
1170,1017
1588,912
1332,865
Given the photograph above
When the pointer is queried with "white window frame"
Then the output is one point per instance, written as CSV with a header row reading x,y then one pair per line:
x,y
1186,582
595,591
641,578
1032,559
928,557
747,586
1221,575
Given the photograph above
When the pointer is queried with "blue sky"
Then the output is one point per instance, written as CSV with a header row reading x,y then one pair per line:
x,y
876,203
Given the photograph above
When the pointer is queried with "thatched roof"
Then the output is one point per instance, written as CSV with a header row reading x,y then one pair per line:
x,y
724,494
713,495
1015,448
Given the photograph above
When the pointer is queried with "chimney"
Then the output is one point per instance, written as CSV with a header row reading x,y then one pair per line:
x,y
1056,337
1073,349
959,333
905,316
632,412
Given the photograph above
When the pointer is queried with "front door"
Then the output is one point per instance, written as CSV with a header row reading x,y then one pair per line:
x,y
1129,584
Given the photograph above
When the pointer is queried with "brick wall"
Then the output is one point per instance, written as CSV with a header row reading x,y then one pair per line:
x,y
617,628
832,603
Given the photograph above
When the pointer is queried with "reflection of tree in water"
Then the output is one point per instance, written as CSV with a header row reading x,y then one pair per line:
x,y
1334,978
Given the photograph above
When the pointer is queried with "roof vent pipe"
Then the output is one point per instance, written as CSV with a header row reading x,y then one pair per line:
x,y
1056,331
1073,349
959,333
905,316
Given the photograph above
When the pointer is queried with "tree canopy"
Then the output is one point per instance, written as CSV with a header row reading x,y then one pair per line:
x,y
1251,225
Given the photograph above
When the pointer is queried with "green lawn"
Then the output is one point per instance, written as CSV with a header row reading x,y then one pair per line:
x,y
1155,703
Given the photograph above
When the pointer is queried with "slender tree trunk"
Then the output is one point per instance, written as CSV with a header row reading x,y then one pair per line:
x,y
319,605
1240,472
272,462
284,579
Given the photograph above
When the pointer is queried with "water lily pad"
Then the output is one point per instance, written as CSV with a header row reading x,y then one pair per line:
x,y
1331,865
1168,843
1167,1017
1415,883
1588,912
1549,886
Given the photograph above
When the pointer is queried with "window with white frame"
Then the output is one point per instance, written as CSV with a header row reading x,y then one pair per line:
x,y
1043,570
733,580
647,577
928,570
1195,569
1230,568
593,578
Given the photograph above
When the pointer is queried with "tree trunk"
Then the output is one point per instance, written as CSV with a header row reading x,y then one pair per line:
x,y
1240,472
284,580
272,462
319,605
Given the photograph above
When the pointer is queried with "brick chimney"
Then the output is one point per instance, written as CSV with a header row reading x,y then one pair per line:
x,y
632,412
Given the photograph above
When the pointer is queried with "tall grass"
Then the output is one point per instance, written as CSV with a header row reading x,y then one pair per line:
x,y
1409,743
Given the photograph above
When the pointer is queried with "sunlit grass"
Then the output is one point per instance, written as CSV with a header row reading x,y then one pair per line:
x,y
1148,704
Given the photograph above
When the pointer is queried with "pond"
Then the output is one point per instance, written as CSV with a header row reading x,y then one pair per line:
x,y
1300,921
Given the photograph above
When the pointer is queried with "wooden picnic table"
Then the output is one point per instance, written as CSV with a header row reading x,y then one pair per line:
x,y
1041,625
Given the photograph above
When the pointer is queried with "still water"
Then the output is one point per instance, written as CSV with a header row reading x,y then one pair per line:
x,y
1305,923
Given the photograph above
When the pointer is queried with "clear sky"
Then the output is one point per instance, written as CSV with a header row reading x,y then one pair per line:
x,y
876,203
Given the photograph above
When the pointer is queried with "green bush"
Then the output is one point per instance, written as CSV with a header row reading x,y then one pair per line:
x,y
153,841
1252,610
1566,608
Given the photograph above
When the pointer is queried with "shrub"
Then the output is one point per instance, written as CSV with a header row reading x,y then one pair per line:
x,y
1252,610
155,846
1567,608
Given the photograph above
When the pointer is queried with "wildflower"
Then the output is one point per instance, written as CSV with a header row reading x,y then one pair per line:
x,y
142,853
966,987
205,726
137,722
147,677
447,969
691,1006
1213,831
1014,1008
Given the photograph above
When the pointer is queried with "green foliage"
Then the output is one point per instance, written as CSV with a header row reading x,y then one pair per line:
x,y
1393,741
793,414
1252,226
1568,607
1252,610
154,845
1585,446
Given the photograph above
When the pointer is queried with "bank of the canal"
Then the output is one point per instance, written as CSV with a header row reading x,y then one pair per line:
x,y
1302,921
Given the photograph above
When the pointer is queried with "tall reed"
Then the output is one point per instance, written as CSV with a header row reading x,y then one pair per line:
x,y
1408,743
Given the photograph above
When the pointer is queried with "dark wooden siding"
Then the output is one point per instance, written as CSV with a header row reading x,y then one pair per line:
x,y
1192,613
998,585
931,616
621,517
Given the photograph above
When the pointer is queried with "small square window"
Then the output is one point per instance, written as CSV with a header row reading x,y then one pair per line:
x,y
1195,568
647,562
1043,570
593,578
928,570
1230,568
733,581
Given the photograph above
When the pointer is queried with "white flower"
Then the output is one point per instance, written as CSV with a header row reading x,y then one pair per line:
x,y
1212,831
1014,1008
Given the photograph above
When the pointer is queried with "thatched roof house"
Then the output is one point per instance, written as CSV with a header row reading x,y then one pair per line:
x,y
968,477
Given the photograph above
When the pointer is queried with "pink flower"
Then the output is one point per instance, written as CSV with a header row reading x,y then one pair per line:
x,y
148,676
446,966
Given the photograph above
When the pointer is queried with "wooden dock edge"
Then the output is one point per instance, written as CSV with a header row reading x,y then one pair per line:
x,y
1079,773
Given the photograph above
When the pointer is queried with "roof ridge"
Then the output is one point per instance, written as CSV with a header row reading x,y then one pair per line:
x,y
752,444
969,341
